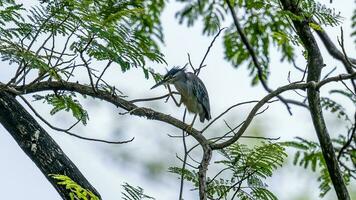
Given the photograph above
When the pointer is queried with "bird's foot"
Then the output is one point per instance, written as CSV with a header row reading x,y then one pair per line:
x,y
189,128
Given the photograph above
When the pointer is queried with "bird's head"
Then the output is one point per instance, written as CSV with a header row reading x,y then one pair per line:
x,y
171,76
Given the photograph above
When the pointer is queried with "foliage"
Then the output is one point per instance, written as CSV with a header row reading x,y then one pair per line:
x,y
121,31
262,22
212,14
134,193
259,22
56,38
334,107
247,168
309,156
76,191
346,93
67,103
323,15
353,24
79,193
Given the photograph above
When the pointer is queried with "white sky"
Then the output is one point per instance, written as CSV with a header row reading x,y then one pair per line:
x,y
107,167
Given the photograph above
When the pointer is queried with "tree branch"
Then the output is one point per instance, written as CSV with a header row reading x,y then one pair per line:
x,y
115,100
267,98
334,52
315,63
203,168
131,108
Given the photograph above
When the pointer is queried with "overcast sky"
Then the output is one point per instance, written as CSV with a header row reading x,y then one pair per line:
x,y
108,166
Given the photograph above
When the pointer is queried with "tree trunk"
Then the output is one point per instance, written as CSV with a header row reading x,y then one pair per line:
x,y
38,145
315,64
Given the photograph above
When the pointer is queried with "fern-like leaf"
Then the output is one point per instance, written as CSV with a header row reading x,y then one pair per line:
x,y
134,193
67,103
76,192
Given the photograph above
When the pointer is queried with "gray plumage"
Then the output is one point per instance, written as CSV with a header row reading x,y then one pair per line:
x,y
192,90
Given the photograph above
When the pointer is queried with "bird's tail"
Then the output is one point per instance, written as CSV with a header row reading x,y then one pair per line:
x,y
202,117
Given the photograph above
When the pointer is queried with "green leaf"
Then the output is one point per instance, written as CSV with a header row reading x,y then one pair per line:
x,y
75,190
309,156
133,193
315,26
334,107
247,166
67,103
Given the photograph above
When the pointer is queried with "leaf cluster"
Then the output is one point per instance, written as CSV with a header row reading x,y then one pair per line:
x,y
259,19
125,32
212,14
334,107
57,37
263,22
65,102
310,156
76,191
245,170
133,193
320,12
353,25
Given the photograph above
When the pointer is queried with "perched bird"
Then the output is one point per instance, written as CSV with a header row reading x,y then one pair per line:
x,y
192,90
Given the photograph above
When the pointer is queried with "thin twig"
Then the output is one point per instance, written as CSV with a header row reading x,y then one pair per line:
x,y
185,163
201,65
190,63
227,110
347,87
216,175
184,160
66,130
348,142
152,99
86,63
171,95
102,74
329,73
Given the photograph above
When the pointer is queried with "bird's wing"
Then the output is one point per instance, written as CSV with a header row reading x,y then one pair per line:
x,y
201,93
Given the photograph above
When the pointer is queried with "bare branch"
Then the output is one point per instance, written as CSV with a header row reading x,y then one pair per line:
x,y
117,101
201,65
102,73
334,52
273,94
227,110
86,64
349,140
184,159
153,98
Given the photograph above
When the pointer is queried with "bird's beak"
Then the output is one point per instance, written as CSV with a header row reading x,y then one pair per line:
x,y
159,83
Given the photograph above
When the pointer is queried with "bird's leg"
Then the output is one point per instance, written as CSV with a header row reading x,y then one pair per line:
x,y
190,127
174,99
195,116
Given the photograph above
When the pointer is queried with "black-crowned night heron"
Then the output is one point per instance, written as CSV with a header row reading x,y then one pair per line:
x,y
192,90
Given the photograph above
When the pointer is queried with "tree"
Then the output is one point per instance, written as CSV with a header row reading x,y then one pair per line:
x,y
48,45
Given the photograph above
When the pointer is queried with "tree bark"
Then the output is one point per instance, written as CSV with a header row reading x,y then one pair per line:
x,y
38,145
315,64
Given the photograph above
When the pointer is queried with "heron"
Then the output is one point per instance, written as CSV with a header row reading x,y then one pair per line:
x,y
192,91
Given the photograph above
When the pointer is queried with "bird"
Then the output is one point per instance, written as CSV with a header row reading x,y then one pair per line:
x,y
192,90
